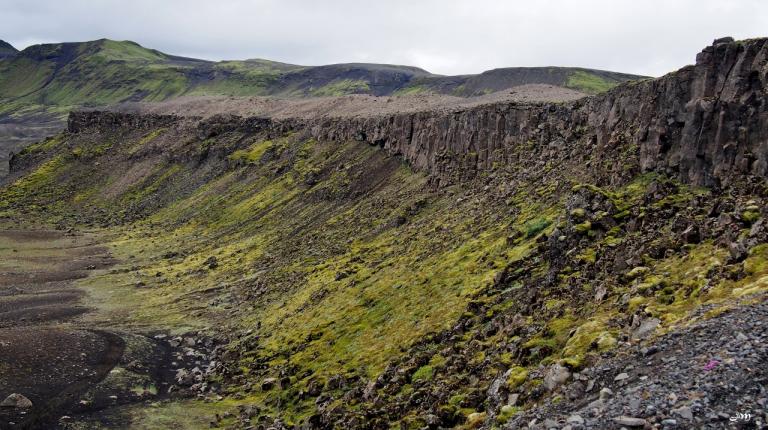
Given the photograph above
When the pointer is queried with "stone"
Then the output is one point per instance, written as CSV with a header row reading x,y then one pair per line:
x,y
726,39
211,262
691,234
684,412
575,419
556,376
600,293
738,251
646,328
184,377
551,424
606,393
621,376
268,383
16,400
624,420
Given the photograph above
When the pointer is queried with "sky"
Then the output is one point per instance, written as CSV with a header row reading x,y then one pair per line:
x,y
647,37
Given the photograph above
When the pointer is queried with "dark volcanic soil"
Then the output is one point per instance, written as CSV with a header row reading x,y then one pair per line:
x,y
46,354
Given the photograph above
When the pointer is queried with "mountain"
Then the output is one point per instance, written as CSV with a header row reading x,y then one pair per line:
x,y
6,50
106,71
596,263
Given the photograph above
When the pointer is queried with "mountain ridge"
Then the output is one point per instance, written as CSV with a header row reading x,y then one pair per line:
x,y
294,80
7,50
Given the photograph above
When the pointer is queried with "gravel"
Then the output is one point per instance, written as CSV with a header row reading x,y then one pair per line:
x,y
710,375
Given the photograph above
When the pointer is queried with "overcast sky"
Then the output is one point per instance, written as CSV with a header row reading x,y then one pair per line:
x,y
649,37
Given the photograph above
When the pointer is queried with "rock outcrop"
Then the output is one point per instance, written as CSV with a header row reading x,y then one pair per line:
x,y
706,124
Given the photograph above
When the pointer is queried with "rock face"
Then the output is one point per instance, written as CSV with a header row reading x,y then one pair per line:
x,y
706,123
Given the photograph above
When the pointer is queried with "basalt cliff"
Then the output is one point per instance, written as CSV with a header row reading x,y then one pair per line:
x,y
704,123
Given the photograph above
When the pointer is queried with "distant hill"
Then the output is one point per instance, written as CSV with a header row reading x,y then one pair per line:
x,y
41,83
106,71
588,81
7,50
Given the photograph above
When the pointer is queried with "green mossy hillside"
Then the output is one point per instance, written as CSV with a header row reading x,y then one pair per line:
x,y
334,268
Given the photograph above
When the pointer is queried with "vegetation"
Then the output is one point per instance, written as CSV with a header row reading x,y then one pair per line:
x,y
341,87
336,263
588,82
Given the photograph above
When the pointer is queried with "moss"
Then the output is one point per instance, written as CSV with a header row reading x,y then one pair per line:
x,y
588,255
44,145
591,335
506,413
612,242
637,272
583,227
505,359
757,260
149,137
412,90
423,373
457,399
517,377
253,154
38,189
578,213
341,87
536,226
474,420
588,82
749,216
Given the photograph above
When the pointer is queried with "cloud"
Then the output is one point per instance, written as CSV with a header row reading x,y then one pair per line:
x,y
443,36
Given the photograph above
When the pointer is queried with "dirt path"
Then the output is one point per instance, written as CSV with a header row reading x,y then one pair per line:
x,y
44,353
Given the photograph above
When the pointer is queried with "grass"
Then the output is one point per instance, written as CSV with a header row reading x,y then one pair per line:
x,y
340,87
252,154
412,90
589,83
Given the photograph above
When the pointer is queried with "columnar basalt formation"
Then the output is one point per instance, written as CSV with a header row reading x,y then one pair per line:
x,y
706,123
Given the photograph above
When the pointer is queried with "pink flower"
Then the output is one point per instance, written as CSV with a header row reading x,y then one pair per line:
x,y
711,365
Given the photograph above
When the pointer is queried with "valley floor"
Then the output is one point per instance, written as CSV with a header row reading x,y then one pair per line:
x,y
79,366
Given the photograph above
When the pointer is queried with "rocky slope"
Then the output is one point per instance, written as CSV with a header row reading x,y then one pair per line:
x,y
479,267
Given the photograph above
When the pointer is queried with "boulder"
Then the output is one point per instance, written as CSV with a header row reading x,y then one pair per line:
x,y
16,400
645,328
268,384
556,376
630,421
